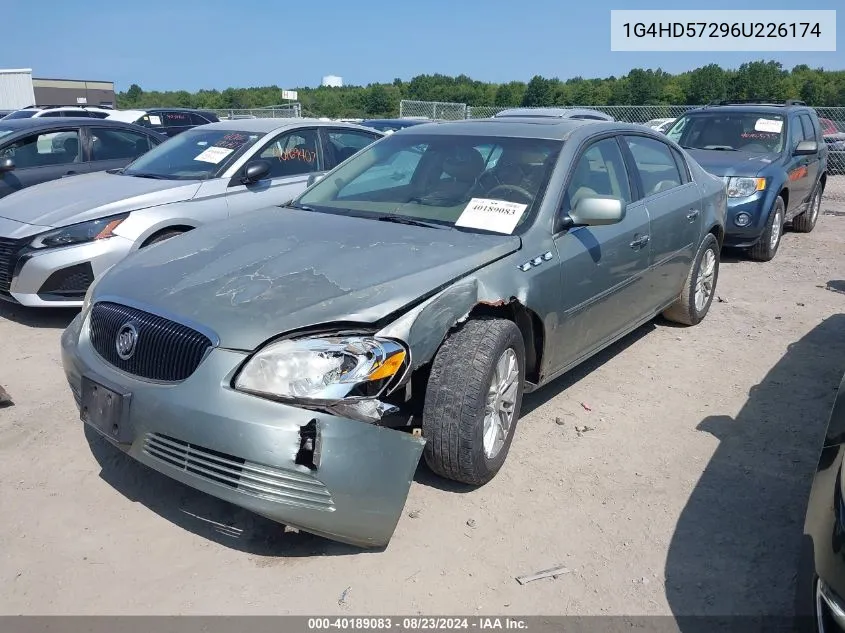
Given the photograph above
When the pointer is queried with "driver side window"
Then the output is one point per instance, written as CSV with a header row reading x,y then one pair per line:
x,y
600,171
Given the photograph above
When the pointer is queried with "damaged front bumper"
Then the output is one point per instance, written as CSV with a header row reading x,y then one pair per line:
x,y
333,476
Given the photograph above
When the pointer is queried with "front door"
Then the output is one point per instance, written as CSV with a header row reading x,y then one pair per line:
x,y
42,157
798,169
293,156
110,148
602,267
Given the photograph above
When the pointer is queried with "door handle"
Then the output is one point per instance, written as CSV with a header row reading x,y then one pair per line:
x,y
692,215
639,242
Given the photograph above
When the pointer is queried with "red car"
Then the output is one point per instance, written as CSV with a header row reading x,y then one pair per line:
x,y
828,126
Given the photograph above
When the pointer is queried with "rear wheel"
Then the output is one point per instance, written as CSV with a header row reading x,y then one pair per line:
x,y
700,286
806,222
766,249
473,399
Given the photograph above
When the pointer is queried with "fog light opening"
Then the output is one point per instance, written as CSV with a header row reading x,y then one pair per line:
x,y
742,219
309,446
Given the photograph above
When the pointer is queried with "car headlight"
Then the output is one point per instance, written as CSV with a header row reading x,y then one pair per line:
x,y
79,233
323,369
744,187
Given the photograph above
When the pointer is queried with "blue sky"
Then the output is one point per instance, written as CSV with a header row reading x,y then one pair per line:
x,y
193,44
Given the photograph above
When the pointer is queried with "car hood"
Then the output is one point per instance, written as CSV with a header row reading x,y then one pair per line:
x,y
272,271
89,196
721,163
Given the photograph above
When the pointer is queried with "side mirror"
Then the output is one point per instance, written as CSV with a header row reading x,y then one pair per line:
x,y
6,164
597,211
255,171
806,147
315,178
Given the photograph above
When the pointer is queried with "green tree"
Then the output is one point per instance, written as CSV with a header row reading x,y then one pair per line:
x,y
706,84
539,92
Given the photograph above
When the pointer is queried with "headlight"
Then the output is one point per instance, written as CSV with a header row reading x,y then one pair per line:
x,y
323,369
79,233
744,187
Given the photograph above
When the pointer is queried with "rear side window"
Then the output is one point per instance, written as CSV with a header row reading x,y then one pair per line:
x,y
198,119
655,163
113,144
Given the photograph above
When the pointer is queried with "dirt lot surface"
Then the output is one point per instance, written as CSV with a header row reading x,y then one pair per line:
x,y
684,495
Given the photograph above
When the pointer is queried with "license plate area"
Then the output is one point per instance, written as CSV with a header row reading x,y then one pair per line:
x,y
106,409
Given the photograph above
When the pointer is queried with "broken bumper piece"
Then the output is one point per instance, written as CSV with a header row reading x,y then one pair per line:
x,y
336,477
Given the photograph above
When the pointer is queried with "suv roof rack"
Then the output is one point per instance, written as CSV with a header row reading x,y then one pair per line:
x,y
81,106
788,102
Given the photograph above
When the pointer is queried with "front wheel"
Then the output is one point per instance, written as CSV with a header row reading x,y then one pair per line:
x,y
473,399
766,249
806,222
700,286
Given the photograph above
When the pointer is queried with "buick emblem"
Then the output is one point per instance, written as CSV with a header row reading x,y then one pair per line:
x,y
127,340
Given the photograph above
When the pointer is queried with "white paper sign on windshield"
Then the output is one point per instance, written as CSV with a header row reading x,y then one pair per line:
x,y
491,215
214,154
155,120
768,125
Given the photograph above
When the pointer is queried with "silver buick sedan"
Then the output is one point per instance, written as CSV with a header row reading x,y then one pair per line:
x,y
57,237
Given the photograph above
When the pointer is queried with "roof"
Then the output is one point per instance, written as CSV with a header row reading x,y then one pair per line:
x,y
399,121
562,113
272,124
37,123
517,127
14,71
769,108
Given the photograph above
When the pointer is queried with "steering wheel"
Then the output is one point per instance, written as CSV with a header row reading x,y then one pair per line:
x,y
527,195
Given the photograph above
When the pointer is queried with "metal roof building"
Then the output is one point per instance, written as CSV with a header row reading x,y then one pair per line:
x,y
19,89
16,89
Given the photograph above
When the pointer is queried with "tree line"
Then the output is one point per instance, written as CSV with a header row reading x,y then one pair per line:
x,y
759,80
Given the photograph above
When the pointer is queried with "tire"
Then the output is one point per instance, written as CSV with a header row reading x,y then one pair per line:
x,y
806,222
766,249
160,237
704,272
456,398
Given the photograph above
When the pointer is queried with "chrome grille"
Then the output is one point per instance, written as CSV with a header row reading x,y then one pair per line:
x,y
165,350
8,250
257,480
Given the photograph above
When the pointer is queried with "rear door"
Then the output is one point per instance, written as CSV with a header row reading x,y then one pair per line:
x,y
812,133
293,156
41,157
602,267
111,148
673,201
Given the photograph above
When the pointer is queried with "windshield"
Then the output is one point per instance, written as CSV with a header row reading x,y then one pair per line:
x,y
755,133
20,114
196,154
473,182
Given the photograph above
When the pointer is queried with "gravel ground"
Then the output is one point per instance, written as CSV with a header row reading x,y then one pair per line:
x,y
669,474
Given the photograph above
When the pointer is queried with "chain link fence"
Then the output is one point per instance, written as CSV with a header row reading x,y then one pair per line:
x,y
833,119
292,110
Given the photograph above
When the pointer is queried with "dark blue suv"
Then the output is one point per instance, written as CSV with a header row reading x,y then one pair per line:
x,y
773,160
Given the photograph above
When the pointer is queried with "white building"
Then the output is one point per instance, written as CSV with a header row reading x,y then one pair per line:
x,y
16,88
333,81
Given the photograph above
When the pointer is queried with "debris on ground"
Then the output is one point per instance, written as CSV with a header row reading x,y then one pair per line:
x,y
342,600
414,514
580,430
471,523
560,421
554,572
799,304
5,398
586,406
720,300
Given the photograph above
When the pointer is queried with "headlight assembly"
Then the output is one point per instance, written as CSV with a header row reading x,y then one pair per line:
x,y
79,233
323,370
744,187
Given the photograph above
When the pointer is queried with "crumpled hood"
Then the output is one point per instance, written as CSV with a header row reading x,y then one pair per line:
x,y
267,272
88,196
726,163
